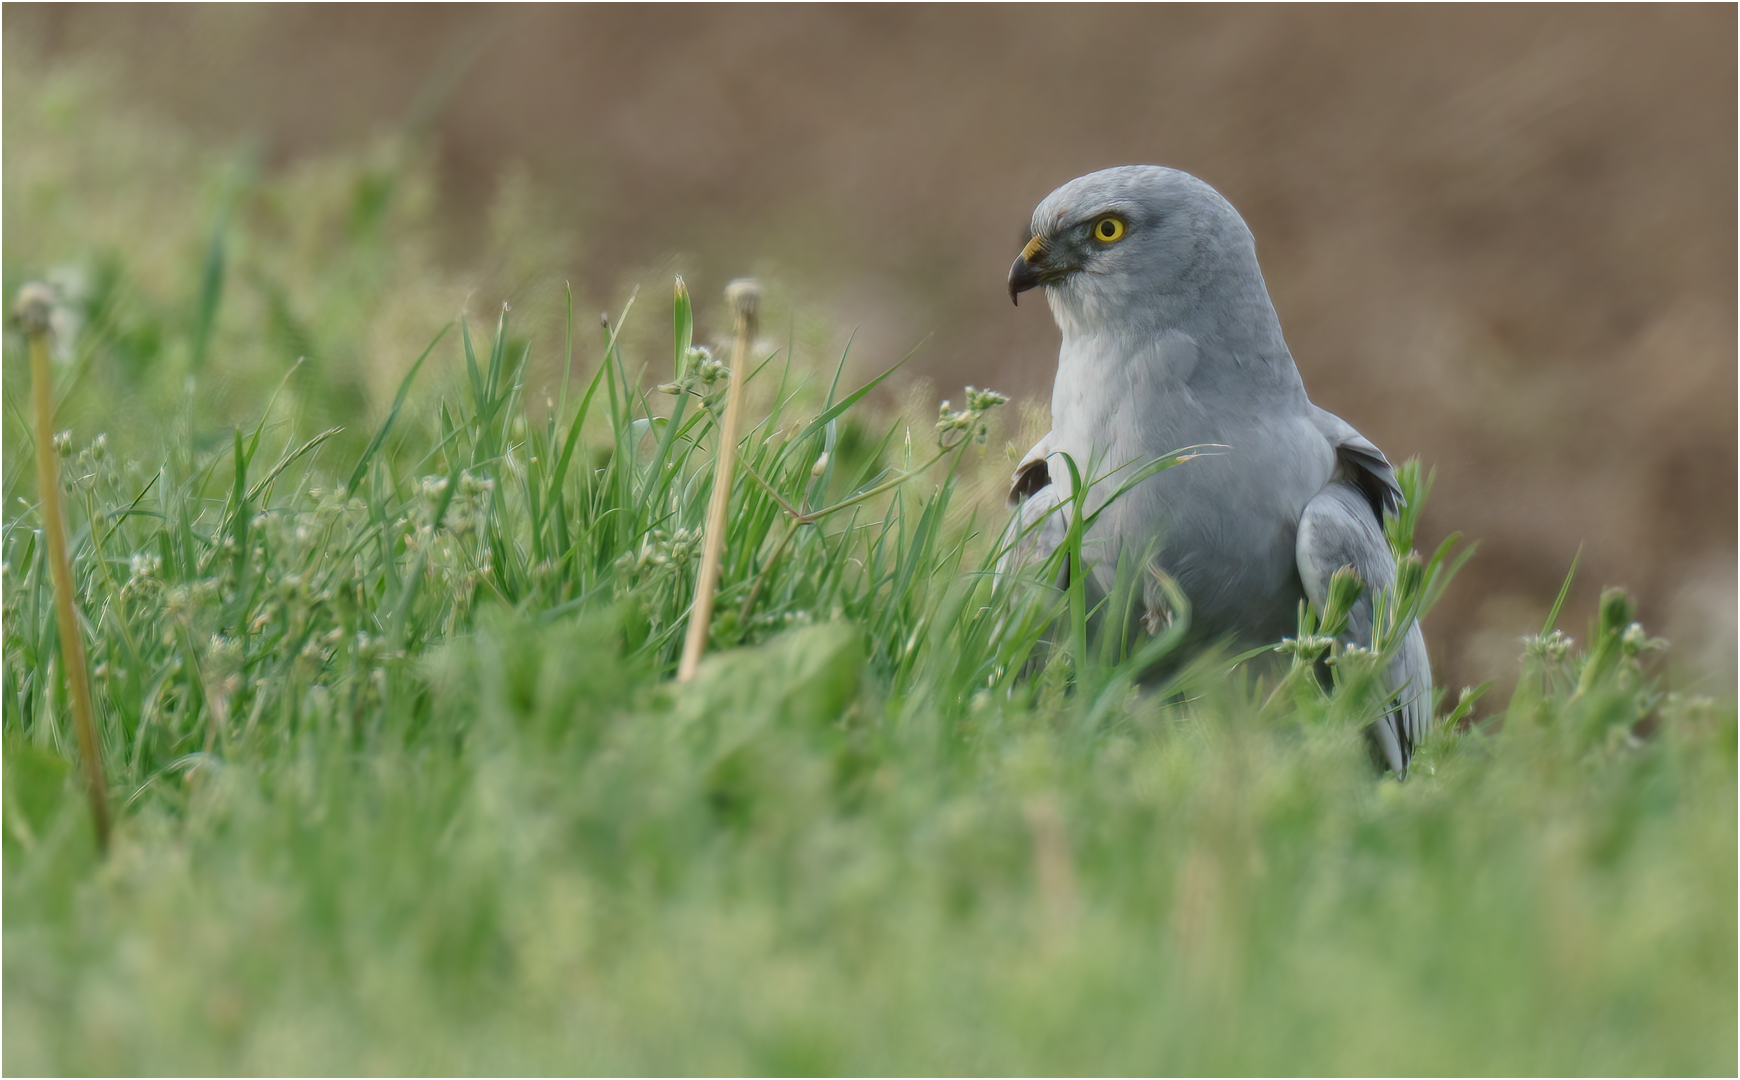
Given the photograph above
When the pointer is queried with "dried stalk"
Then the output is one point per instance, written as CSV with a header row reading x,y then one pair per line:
x,y
32,310
744,296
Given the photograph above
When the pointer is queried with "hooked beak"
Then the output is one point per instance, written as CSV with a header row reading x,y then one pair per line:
x,y
1032,269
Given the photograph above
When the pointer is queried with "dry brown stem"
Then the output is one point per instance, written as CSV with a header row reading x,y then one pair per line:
x,y
744,296
32,310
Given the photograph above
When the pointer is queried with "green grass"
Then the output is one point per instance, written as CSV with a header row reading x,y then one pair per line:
x,y
404,783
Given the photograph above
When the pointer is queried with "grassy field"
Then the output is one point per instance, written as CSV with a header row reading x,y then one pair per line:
x,y
404,783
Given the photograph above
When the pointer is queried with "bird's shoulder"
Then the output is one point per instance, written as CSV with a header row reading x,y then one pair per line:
x,y
1033,474
1360,462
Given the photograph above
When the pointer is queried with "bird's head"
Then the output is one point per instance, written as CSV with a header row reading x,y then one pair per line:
x,y
1135,239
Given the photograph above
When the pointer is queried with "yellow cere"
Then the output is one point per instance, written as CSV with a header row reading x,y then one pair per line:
x,y
1109,230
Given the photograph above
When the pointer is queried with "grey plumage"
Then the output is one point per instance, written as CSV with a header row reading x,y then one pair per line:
x,y
1170,341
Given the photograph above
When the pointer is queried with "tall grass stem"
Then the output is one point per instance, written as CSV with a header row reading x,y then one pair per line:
x,y
32,311
744,296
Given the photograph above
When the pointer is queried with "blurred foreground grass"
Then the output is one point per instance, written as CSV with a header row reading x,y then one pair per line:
x,y
404,785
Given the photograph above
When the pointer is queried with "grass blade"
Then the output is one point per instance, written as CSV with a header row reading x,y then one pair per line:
x,y
374,445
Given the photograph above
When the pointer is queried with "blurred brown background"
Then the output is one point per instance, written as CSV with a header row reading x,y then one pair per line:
x,y
1500,238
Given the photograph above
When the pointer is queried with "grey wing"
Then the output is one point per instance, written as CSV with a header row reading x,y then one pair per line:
x,y
1036,528
1360,463
1341,526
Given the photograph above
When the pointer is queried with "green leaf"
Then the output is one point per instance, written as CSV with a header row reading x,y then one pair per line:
x,y
683,323
211,290
374,445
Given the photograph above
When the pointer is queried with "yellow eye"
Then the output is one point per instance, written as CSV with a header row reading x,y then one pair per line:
x,y
1109,230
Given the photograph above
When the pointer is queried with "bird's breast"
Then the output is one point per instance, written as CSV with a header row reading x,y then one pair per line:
x,y
1224,522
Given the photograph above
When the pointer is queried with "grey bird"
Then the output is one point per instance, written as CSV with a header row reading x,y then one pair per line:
x,y
1170,341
